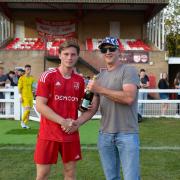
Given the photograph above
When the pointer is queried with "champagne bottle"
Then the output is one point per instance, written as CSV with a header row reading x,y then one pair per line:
x,y
87,98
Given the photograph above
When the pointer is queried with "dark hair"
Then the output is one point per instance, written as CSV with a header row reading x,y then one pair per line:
x,y
142,70
27,66
11,72
69,43
178,75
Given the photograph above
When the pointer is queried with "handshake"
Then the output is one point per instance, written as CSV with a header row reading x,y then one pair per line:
x,y
69,125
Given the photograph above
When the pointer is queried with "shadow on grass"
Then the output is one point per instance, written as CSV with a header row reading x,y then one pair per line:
x,y
22,131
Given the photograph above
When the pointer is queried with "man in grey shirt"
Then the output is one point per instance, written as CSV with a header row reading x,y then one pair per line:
x,y
118,141
116,89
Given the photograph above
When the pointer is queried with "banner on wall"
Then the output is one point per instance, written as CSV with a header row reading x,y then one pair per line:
x,y
126,56
56,29
134,57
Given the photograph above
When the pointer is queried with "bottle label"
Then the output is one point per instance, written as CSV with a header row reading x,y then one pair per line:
x,y
85,103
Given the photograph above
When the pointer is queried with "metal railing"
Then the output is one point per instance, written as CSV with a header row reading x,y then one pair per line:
x,y
153,107
10,106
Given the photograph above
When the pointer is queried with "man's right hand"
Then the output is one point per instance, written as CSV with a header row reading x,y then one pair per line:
x,y
75,127
67,124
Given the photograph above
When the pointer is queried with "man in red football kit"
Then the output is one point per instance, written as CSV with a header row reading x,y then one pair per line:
x,y
59,93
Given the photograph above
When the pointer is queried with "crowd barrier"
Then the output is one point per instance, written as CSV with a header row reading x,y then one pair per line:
x,y
10,106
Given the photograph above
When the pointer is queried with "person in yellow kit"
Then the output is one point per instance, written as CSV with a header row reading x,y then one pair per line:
x,y
25,87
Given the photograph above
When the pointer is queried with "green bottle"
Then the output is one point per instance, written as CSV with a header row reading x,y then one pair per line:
x,y
87,98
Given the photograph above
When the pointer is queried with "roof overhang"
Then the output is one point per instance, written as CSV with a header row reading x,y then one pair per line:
x,y
149,7
96,1
84,6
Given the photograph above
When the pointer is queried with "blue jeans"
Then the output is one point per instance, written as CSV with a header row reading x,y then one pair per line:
x,y
116,149
141,96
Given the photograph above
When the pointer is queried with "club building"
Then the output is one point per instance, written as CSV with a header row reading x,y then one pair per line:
x,y
31,32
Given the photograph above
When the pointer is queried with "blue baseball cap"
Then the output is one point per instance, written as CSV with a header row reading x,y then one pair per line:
x,y
109,40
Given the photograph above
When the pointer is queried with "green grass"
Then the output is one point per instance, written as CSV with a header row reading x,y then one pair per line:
x,y
160,132
12,133
160,165
22,131
17,164
153,132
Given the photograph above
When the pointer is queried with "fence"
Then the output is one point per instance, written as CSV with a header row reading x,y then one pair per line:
x,y
152,107
10,106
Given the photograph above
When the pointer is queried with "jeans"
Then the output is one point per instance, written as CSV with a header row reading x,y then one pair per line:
x,y
116,149
141,96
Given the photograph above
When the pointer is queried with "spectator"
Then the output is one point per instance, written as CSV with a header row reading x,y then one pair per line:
x,y
20,73
177,86
11,76
144,84
16,77
86,80
163,84
3,79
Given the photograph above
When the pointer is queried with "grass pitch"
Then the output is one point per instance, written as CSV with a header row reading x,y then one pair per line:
x,y
160,151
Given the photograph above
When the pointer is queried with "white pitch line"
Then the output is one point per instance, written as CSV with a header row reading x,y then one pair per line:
x,y
177,148
161,148
155,148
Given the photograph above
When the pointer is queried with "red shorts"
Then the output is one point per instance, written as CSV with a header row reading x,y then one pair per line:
x,y
46,151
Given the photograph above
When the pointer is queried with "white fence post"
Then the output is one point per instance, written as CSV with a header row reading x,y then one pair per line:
x,y
8,104
17,104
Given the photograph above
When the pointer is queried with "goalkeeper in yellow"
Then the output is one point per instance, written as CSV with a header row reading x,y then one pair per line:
x,y
25,86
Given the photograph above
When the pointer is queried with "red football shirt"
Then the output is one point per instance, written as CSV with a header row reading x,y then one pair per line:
x,y
64,96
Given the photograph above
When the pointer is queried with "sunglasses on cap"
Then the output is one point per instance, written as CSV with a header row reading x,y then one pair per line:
x,y
111,49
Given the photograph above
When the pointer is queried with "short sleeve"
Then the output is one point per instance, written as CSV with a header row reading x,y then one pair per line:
x,y
130,76
43,86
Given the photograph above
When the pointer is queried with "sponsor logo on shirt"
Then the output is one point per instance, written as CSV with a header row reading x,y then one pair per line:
x,y
76,85
66,98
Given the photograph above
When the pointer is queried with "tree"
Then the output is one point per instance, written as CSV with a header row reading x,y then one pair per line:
x,y
172,27
172,17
